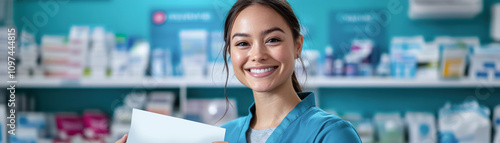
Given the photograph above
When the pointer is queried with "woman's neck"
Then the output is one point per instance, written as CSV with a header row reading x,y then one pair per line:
x,y
272,107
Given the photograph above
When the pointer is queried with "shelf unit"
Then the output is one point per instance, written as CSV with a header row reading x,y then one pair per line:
x,y
121,83
181,85
314,82
398,83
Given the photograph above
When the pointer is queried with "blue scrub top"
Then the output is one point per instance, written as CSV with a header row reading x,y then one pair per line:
x,y
306,123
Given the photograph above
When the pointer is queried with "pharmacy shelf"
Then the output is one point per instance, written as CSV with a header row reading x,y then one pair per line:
x,y
314,82
149,83
403,83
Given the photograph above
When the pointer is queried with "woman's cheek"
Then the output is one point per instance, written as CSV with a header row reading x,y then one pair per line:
x,y
237,59
284,56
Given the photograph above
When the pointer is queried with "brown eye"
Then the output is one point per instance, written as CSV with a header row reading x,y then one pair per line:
x,y
242,44
273,40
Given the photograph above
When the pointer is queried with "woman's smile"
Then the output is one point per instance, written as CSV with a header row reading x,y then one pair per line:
x,y
261,71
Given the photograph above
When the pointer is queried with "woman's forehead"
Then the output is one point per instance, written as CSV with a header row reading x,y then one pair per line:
x,y
257,18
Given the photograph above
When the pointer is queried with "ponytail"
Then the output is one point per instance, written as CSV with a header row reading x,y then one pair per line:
x,y
295,83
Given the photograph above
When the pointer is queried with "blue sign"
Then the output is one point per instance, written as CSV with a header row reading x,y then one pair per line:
x,y
346,26
187,39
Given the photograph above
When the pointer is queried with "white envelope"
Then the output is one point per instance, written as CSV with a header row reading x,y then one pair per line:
x,y
148,127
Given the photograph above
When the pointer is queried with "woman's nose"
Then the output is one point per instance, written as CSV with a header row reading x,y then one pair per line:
x,y
258,53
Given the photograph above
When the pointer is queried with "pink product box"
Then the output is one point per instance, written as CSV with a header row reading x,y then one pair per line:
x,y
55,48
69,125
55,58
96,124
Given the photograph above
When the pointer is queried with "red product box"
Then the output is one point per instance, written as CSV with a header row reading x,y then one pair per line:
x,y
96,124
68,125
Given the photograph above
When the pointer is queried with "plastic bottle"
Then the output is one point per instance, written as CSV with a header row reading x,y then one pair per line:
x,y
338,67
328,69
384,67
351,65
365,69
120,56
98,53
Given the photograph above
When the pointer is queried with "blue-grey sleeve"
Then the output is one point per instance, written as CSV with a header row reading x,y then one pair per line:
x,y
338,132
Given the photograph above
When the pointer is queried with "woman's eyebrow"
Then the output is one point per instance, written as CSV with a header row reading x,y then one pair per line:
x,y
271,30
240,34
262,33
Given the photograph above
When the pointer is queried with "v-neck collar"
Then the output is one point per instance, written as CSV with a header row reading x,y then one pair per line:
x,y
307,102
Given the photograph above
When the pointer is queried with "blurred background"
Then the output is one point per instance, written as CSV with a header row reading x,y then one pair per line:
x,y
418,71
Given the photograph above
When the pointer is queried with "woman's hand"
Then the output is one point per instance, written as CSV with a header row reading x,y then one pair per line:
x,y
123,139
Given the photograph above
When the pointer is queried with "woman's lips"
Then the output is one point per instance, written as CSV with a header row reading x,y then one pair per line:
x,y
261,71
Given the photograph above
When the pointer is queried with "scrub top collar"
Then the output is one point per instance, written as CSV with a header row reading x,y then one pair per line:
x,y
307,102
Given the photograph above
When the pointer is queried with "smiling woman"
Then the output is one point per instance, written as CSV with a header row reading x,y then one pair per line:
x,y
262,39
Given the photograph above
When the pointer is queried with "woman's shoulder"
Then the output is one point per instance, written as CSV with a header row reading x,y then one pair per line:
x,y
318,116
234,129
236,123
332,127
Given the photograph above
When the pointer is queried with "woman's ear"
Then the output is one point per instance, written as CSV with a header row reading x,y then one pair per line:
x,y
298,46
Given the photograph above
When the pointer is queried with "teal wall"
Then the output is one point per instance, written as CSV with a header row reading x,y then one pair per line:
x,y
132,17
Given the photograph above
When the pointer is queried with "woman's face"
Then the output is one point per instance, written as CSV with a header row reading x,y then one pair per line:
x,y
263,49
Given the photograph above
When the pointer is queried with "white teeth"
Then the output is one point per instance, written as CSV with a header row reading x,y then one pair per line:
x,y
261,70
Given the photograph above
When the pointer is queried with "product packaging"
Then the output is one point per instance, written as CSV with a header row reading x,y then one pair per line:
x,y
421,127
28,54
390,127
78,46
467,122
120,57
310,61
496,124
338,67
351,67
495,21
96,125
139,58
453,62
485,63
158,69
3,121
209,111
98,53
194,59
24,135
69,125
329,61
118,130
364,127
384,67
403,56
55,56
161,102
453,55
30,126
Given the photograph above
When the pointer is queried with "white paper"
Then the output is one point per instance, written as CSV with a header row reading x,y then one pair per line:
x,y
148,127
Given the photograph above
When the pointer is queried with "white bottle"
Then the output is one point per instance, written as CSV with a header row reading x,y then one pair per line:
x,y
98,53
328,67
384,67
157,63
495,22
338,67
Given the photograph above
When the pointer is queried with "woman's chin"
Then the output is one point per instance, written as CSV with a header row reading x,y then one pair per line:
x,y
261,87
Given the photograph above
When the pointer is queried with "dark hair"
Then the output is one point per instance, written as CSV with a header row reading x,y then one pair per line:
x,y
283,8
